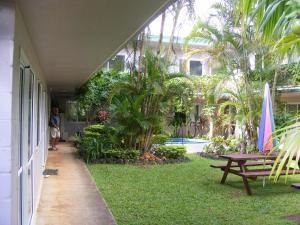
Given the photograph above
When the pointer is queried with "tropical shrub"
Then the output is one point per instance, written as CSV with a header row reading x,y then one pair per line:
x,y
95,140
104,133
129,154
219,146
289,149
170,151
180,90
89,134
77,140
96,128
204,137
137,104
159,139
90,149
93,96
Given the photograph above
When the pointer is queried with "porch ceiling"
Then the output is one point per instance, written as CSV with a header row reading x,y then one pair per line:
x,y
73,38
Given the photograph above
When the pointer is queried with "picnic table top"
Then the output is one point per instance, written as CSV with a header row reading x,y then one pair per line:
x,y
239,157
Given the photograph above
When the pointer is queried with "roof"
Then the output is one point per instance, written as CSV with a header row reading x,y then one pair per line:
x,y
72,39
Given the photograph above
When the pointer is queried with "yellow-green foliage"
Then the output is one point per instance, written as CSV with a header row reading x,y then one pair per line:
x,y
171,151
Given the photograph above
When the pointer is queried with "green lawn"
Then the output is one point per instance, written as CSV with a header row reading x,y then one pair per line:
x,y
190,193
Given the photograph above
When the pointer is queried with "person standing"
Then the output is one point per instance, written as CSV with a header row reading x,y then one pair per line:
x,y
54,128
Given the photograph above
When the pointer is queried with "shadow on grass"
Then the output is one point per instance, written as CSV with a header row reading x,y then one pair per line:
x,y
270,188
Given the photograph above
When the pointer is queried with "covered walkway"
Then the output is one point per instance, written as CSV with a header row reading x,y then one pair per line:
x,y
71,197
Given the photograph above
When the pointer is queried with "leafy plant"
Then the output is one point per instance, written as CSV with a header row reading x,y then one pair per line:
x,y
94,94
180,90
137,104
159,138
129,154
96,128
77,140
170,151
219,145
95,140
289,147
90,149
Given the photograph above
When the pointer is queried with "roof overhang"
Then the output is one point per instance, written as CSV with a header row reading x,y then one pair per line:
x,y
74,38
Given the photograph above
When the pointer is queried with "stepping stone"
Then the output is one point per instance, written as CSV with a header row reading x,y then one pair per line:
x,y
296,185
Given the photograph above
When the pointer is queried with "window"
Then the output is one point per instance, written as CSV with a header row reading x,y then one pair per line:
x,y
197,111
195,68
181,66
117,63
38,111
30,112
21,113
26,154
20,152
30,191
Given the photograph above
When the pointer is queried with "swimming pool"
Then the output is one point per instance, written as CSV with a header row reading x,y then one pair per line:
x,y
192,145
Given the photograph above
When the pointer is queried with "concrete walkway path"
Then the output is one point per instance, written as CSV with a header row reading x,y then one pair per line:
x,y
71,197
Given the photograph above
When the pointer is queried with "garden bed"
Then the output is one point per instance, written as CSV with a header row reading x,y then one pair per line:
x,y
142,162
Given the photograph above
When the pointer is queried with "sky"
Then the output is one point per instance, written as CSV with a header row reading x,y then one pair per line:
x,y
184,24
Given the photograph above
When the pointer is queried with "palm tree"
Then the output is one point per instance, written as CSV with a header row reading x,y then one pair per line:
x,y
236,103
276,22
137,104
230,44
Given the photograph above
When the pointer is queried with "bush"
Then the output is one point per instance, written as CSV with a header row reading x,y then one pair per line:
x,y
90,149
100,132
89,134
218,140
95,140
77,140
220,146
96,128
131,154
170,151
204,137
159,139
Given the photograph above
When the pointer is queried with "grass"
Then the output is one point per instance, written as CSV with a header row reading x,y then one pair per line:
x,y
190,193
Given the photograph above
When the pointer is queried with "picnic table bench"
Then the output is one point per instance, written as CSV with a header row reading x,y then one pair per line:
x,y
239,164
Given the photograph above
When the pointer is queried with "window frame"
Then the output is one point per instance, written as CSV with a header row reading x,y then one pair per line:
x,y
195,61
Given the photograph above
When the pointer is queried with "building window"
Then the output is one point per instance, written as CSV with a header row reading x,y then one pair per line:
x,y
117,63
38,111
195,68
30,114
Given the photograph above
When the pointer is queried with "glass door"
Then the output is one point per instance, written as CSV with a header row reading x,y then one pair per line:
x,y
26,146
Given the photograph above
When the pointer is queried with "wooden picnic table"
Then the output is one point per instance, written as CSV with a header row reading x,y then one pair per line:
x,y
239,164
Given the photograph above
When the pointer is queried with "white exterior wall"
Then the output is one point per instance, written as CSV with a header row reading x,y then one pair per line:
x,y
179,56
7,23
16,47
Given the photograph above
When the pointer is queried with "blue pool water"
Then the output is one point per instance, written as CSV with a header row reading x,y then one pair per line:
x,y
186,141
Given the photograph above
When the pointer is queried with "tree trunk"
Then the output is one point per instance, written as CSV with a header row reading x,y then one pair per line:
x,y
132,69
177,8
211,128
142,42
161,34
274,89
